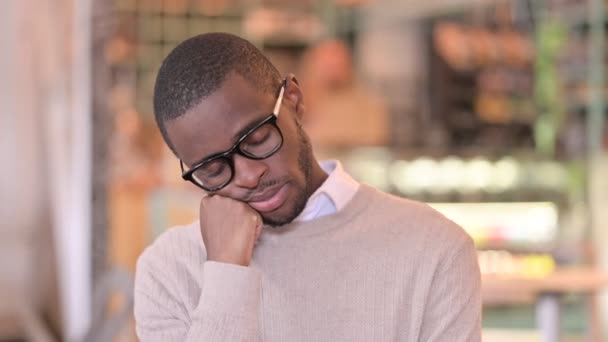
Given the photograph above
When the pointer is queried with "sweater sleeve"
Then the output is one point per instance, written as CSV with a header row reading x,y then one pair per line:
x,y
453,308
227,308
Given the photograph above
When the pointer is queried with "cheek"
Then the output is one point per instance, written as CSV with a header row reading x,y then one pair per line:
x,y
291,148
285,161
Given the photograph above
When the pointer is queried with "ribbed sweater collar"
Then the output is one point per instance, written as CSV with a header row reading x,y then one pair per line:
x,y
354,208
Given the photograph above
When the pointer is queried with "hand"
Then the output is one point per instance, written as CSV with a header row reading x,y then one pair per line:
x,y
230,229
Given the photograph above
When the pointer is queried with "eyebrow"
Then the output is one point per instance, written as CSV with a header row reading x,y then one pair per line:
x,y
247,128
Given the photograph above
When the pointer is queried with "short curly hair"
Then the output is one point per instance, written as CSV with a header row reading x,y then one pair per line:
x,y
198,66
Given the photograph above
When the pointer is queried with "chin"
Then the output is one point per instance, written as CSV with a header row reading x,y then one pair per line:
x,y
278,220
290,210
275,224
283,216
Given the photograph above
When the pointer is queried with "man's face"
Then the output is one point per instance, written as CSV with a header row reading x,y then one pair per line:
x,y
278,186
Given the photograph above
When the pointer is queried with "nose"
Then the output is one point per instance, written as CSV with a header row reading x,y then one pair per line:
x,y
248,172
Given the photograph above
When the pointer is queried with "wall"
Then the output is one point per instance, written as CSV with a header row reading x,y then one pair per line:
x,y
26,260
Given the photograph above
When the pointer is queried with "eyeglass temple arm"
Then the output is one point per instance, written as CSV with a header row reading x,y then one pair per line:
x,y
277,106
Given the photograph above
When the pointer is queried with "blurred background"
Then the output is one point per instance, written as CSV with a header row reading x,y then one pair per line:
x,y
492,111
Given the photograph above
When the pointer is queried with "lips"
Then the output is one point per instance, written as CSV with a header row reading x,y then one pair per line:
x,y
270,199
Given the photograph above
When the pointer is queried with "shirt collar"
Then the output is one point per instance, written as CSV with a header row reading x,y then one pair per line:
x,y
339,186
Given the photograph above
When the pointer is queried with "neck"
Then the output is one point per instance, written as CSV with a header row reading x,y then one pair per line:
x,y
358,205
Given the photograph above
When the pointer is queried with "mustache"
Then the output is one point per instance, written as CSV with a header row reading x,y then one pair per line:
x,y
263,186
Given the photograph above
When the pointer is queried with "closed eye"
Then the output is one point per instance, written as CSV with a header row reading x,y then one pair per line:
x,y
258,137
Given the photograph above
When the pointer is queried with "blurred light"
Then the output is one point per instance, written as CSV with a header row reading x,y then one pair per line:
x,y
506,174
479,175
452,172
397,174
118,50
370,166
421,175
533,223
524,265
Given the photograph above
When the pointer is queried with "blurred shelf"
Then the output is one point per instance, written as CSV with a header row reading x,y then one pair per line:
x,y
509,289
285,42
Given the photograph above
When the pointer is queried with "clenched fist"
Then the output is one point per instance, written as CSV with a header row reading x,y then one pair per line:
x,y
230,229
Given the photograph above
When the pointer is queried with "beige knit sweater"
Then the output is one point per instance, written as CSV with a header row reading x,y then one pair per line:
x,y
381,269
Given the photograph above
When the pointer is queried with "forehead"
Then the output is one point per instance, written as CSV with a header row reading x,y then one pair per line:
x,y
211,126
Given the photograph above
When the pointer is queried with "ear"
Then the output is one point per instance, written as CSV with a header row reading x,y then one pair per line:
x,y
293,94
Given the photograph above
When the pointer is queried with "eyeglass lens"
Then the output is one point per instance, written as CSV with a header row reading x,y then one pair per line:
x,y
260,144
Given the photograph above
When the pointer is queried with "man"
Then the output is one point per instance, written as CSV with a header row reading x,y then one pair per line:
x,y
334,95
287,249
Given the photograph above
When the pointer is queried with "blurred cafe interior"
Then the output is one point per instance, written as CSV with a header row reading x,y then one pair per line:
x,y
491,111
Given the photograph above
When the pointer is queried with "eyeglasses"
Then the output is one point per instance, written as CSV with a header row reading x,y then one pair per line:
x,y
260,142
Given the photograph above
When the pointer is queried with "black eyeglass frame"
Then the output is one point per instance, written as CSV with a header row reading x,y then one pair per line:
x,y
227,155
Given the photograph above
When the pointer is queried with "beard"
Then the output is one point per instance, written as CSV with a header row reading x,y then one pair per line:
x,y
305,159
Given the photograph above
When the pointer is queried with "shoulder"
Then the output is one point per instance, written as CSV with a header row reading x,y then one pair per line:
x,y
415,222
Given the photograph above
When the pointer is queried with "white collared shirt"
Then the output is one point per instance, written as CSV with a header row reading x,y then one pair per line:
x,y
333,195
